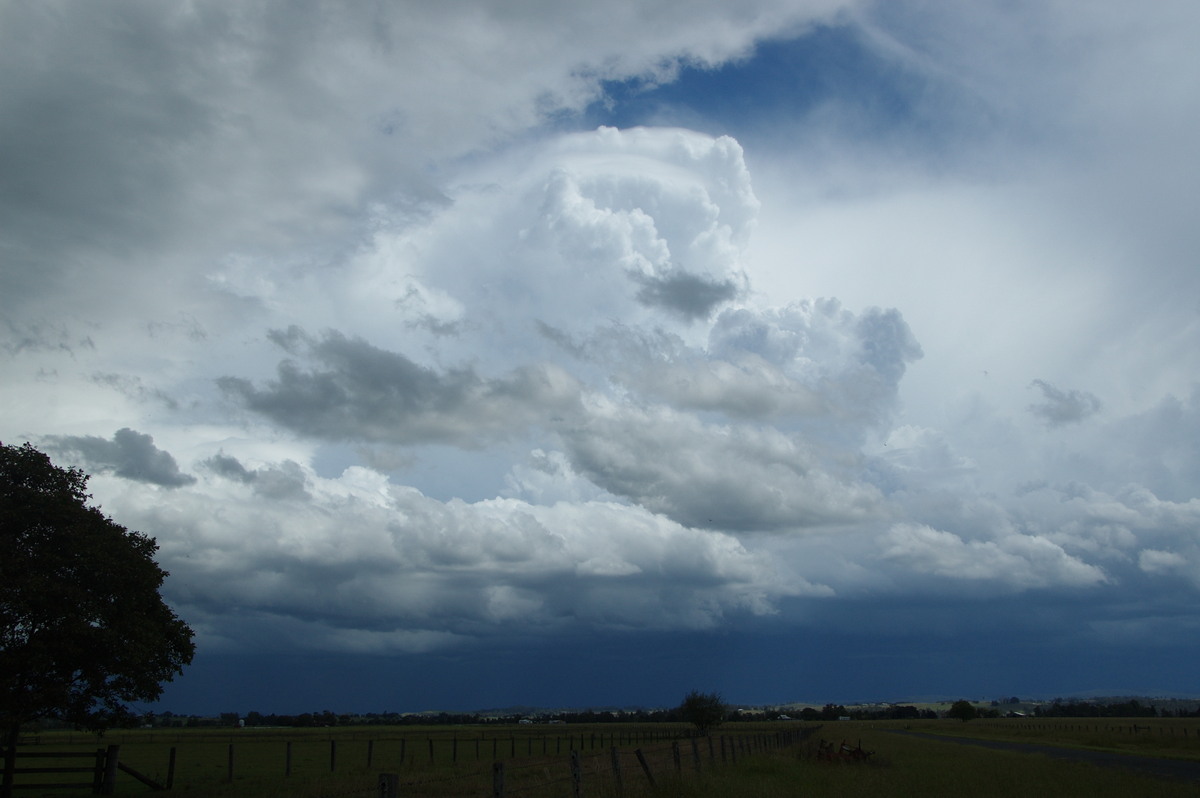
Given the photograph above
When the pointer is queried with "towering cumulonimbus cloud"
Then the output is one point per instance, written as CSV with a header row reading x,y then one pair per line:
x,y
436,328
635,226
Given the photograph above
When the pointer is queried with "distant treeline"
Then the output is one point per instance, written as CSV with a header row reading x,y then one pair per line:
x,y
894,712
329,719
1123,709
1058,708
321,719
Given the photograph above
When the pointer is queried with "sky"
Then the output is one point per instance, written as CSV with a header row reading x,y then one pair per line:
x,y
472,354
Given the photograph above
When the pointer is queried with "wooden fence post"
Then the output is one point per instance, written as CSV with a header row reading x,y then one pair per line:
x,y
497,780
616,767
230,764
641,758
675,756
454,750
403,745
576,776
171,769
430,741
10,766
111,758
389,785
696,754
98,772
332,755
287,761
370,752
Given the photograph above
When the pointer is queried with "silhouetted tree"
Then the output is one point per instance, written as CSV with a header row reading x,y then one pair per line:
x,y
83,629
962,709
702,710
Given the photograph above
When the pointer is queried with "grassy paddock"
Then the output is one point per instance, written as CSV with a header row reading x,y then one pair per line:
x,y
1176,738
537,760
906,766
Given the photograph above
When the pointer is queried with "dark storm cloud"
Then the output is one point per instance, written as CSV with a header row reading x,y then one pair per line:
x,y
356,391
687,295
87,135
1063,407
129,454
230,468
283,481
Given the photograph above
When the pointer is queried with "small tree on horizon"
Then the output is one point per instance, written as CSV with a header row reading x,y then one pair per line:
x,y
83,629
703,710
962,709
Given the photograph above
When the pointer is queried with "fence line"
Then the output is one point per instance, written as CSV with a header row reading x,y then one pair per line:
x,y
622,759
442,749
655,764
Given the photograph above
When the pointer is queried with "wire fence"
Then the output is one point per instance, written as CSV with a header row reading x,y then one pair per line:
x,y
529,763
615,772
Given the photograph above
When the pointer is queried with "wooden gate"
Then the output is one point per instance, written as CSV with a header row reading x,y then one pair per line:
x,y
101,770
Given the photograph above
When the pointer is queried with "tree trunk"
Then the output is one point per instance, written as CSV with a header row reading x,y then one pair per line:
x,y
10,761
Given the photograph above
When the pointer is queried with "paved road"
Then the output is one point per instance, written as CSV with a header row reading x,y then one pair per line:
x,y
1150,765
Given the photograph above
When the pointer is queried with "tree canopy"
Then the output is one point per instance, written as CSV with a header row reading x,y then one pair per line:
x,y
962,709
702,710
83,628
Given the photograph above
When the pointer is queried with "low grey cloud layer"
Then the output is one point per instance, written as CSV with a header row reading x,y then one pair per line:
x,y
395,353
365,393
689,296
1063,407
129,454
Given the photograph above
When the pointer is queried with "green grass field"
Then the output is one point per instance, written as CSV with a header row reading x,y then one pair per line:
x,y
907,766
327,763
